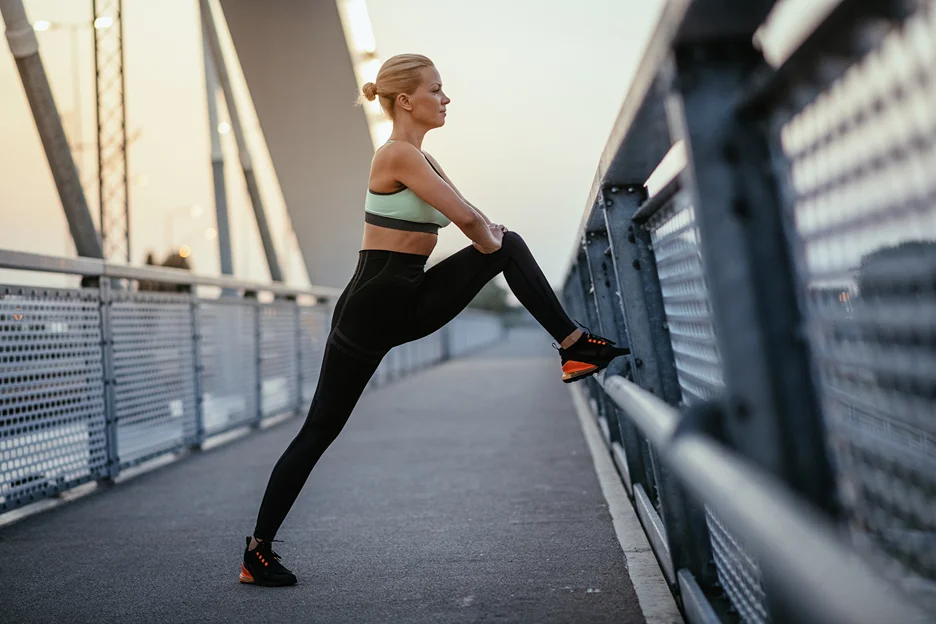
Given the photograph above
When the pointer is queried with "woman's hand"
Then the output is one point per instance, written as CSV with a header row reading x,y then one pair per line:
x,y
497,232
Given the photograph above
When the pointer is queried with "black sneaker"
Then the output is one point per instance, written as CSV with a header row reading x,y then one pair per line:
x,y
588,355
262,566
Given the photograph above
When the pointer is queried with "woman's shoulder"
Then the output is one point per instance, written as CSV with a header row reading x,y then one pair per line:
x,y
390,160
398,154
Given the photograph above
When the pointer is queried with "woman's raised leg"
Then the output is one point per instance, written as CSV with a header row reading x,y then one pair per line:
x,y
450,285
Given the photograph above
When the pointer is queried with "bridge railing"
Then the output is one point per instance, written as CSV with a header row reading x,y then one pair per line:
x,y
137,362
774,423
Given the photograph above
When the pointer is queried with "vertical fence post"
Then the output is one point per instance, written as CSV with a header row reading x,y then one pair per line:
x,y
299,345
446,338
654,369
771,413
199,437
112,468
610,318
250,296
636,452
589,313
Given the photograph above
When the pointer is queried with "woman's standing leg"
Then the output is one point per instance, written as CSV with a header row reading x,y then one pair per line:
x,y
450,285
342,379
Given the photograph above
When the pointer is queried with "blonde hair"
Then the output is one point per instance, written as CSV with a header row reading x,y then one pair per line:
x,y
399,74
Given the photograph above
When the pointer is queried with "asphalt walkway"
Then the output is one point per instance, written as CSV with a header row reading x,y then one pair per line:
x,y
464,493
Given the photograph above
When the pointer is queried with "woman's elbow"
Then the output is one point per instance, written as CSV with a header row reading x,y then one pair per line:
x,y
466,219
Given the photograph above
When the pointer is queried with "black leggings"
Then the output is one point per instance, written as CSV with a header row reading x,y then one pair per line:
x,y
389,301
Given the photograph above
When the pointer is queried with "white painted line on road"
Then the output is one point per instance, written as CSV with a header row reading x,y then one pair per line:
x,y
653,594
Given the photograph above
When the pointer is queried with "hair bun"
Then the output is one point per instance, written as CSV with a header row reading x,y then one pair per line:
x,y
370,90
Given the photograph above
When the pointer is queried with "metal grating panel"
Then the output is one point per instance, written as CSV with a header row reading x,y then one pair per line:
x,y
55,366
154,374
863,155
51,392
675,239
314,324
279,356
229,386
738,572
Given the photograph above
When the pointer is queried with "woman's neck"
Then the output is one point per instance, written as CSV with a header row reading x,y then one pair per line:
x,y
413,136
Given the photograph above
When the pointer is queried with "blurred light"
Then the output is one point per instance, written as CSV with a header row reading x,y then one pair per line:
x,y
670,167
103,22
211,233
788,25
362,45
42,25
196,210
224,127
185,251
362,35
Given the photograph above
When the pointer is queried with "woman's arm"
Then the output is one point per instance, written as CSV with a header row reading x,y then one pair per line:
x,y
454,188
407,164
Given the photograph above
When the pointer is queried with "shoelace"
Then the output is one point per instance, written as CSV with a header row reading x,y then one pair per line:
x,y
597,339
594,338
270,548
589,337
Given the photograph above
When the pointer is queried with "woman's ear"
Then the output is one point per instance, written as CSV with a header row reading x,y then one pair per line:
x,y
403,102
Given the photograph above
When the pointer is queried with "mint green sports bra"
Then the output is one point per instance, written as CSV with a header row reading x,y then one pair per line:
x,y
403,210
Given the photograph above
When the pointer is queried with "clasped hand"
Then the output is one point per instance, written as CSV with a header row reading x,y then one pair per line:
x,y
497,231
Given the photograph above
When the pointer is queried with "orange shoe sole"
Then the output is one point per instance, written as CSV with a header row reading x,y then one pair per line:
x,y
245,576
576,370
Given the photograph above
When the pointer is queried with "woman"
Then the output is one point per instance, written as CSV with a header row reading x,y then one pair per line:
x,y
391,299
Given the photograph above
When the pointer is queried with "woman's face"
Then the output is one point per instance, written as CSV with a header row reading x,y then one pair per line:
x,y
428,102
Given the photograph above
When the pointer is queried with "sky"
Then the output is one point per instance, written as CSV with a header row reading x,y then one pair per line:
x,y
535,86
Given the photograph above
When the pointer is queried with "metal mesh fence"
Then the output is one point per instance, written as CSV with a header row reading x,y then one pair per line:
x,y
675,239
154,373
279,355
229,367
863,155
314,324
95,380
471,329
468,331
51,392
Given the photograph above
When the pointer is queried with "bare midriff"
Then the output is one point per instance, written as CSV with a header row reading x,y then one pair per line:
x,y
376,237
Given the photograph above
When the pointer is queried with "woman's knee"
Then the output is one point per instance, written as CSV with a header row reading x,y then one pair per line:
x,y
512,241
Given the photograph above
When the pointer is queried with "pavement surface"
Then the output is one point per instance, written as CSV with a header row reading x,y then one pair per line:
x,y
463,493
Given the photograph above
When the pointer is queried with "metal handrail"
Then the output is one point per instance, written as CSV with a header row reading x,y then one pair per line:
x,y
834,35
769,518
652,205
92,267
